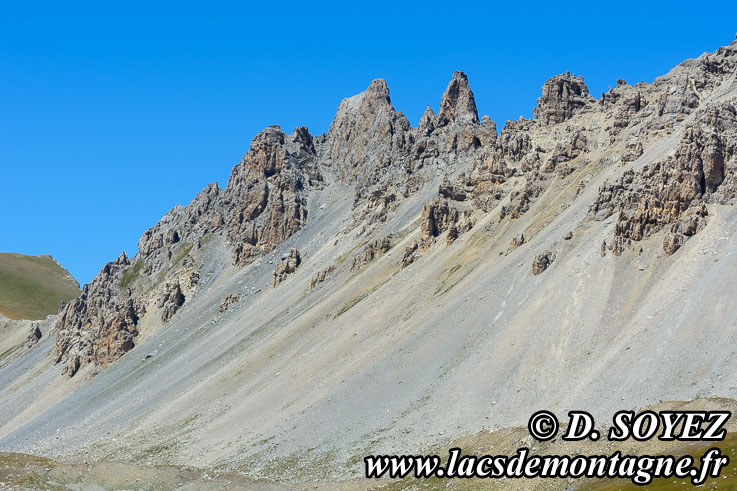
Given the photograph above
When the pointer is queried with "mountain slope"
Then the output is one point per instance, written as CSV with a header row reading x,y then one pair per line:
x,y
32,287
388,289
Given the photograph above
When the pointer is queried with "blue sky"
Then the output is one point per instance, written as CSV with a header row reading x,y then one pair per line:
x,y
111,113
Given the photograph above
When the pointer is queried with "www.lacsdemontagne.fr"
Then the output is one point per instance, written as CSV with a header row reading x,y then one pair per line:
x,y
641,469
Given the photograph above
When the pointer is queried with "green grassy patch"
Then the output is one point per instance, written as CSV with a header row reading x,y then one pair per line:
x,y
186,249
446,284
32,287
727,478
350,304
130,274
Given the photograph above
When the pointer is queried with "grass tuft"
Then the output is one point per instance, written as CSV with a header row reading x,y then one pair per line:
x,y
130,274
350,304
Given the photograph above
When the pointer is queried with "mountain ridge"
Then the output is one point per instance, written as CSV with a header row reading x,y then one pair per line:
x,y
542,265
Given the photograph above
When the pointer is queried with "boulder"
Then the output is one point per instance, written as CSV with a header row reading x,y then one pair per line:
x,y
287,266
542,261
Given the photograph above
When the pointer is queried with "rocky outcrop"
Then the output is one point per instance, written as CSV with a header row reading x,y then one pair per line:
x,y
371,252
265,200
374,209
563,96
230,300
457,104
520,201
181,229
542,261
367,138
441,215
34,335
170,300
455,132
264,203
675,192
411,254
288,265
411,158
568,148
518,240
100,325
321,276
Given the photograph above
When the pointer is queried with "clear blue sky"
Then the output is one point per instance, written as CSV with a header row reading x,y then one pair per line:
x,y
112,113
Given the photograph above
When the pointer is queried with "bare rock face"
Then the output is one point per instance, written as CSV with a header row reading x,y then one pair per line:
x,y
99,326
428,122
182,225
675,192
484,186
411,254
287,266
568,148
34,335
520,201
458,104
455,132
563,96
374,209
672,243
542,262
263,205
440,215
412,158
321,276
265,201
170,300
228,302
371,252
367,137
633,150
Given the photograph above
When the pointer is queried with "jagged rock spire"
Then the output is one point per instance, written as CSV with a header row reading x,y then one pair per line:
x,y
458,104
427,122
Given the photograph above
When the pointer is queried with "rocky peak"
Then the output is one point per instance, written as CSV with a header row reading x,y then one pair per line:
x,y
367,136
487,122
458,104
562,96
454,135
378,91
265,201
427,122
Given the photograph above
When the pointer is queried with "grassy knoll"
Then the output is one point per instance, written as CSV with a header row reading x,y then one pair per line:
x,y
32,287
